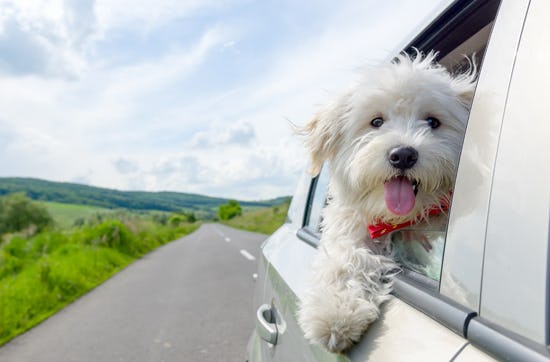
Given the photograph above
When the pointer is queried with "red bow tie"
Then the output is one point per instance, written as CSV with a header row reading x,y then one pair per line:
x,y
381,229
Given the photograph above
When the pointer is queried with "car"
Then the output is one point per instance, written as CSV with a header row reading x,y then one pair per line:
x,y
489,297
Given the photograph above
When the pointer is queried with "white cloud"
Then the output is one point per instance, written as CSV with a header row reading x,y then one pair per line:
x,y
125,166
181,168
145,15
45,37
241,134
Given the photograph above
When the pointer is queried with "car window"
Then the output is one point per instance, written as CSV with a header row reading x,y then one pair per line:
x,y
460,44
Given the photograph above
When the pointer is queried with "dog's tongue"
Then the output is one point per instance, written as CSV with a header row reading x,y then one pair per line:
x,y
399,195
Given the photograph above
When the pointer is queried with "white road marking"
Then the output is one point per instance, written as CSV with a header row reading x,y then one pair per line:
x,y
247,255
222,235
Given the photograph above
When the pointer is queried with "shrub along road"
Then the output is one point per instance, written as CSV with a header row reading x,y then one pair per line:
x,y
190,300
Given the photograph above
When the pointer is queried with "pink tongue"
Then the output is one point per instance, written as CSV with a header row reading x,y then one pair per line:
x,y
399,195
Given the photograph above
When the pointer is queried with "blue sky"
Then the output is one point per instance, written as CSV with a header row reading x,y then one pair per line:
x,y
191,96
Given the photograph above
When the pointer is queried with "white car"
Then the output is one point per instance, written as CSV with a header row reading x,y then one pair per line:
x,y
489,295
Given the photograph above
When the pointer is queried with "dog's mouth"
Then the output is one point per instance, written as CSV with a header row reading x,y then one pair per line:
x,y
400,194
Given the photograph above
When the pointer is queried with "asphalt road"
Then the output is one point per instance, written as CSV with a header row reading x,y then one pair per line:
x,y
190,300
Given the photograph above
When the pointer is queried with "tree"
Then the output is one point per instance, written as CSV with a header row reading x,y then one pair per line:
x,y
18,212
191,217
229,210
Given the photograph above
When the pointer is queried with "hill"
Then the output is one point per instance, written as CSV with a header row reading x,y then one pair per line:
x,y
71,193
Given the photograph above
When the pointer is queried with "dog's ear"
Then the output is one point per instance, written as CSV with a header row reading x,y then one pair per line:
x,y
465,84
316,143
466,94
322,134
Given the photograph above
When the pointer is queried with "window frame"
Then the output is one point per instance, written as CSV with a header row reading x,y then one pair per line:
x,y
306,233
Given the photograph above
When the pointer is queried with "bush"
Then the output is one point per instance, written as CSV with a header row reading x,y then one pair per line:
x,y
191,217
160,218
229,210
112,234
18,212
177,219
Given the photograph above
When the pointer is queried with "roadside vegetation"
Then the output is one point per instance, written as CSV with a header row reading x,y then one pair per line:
x,y
48,261
265,220
230,210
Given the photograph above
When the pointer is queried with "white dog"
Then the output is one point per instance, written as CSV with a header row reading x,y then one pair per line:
x,y
392,143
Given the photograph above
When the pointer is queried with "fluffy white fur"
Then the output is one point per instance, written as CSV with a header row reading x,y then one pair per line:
x,y
352,274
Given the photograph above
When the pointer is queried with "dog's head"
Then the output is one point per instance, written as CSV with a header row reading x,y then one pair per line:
x,y
393,140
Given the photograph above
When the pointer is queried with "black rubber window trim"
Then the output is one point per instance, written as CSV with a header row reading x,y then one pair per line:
x,y
310,198
458,22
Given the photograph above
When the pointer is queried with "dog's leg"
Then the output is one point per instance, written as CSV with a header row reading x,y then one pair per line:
x,y
348,285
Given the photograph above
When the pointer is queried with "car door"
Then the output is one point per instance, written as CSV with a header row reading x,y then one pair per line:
x,y
512,298
427,318
283,267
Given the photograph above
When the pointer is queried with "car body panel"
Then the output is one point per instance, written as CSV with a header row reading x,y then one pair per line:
x,y
464,244
281,281
284,282
515,291
473,354
414,338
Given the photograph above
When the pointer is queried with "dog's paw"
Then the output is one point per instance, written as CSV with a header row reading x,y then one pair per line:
x,y
335,322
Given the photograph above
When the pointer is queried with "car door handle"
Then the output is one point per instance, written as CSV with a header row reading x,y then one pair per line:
x,y
265,324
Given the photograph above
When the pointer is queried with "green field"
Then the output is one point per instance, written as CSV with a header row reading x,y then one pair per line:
x,y
264,220
65,215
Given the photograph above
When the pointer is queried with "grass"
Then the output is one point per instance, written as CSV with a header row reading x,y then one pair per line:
x,y
264,220
52,282
41,274
65,215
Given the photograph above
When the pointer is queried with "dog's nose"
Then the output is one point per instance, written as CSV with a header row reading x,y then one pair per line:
x,y
403,157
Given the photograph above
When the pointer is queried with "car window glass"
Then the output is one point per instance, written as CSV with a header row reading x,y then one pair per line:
x,y
421,252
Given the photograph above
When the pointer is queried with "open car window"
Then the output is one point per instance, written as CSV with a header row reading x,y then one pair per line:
x,y
460,36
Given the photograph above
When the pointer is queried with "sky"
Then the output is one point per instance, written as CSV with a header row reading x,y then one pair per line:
x,y
192,96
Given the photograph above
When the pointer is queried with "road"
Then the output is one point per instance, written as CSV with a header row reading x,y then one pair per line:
x,y
190,300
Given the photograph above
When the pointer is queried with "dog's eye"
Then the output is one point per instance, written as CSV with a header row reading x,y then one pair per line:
x,y
433,122
377,122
